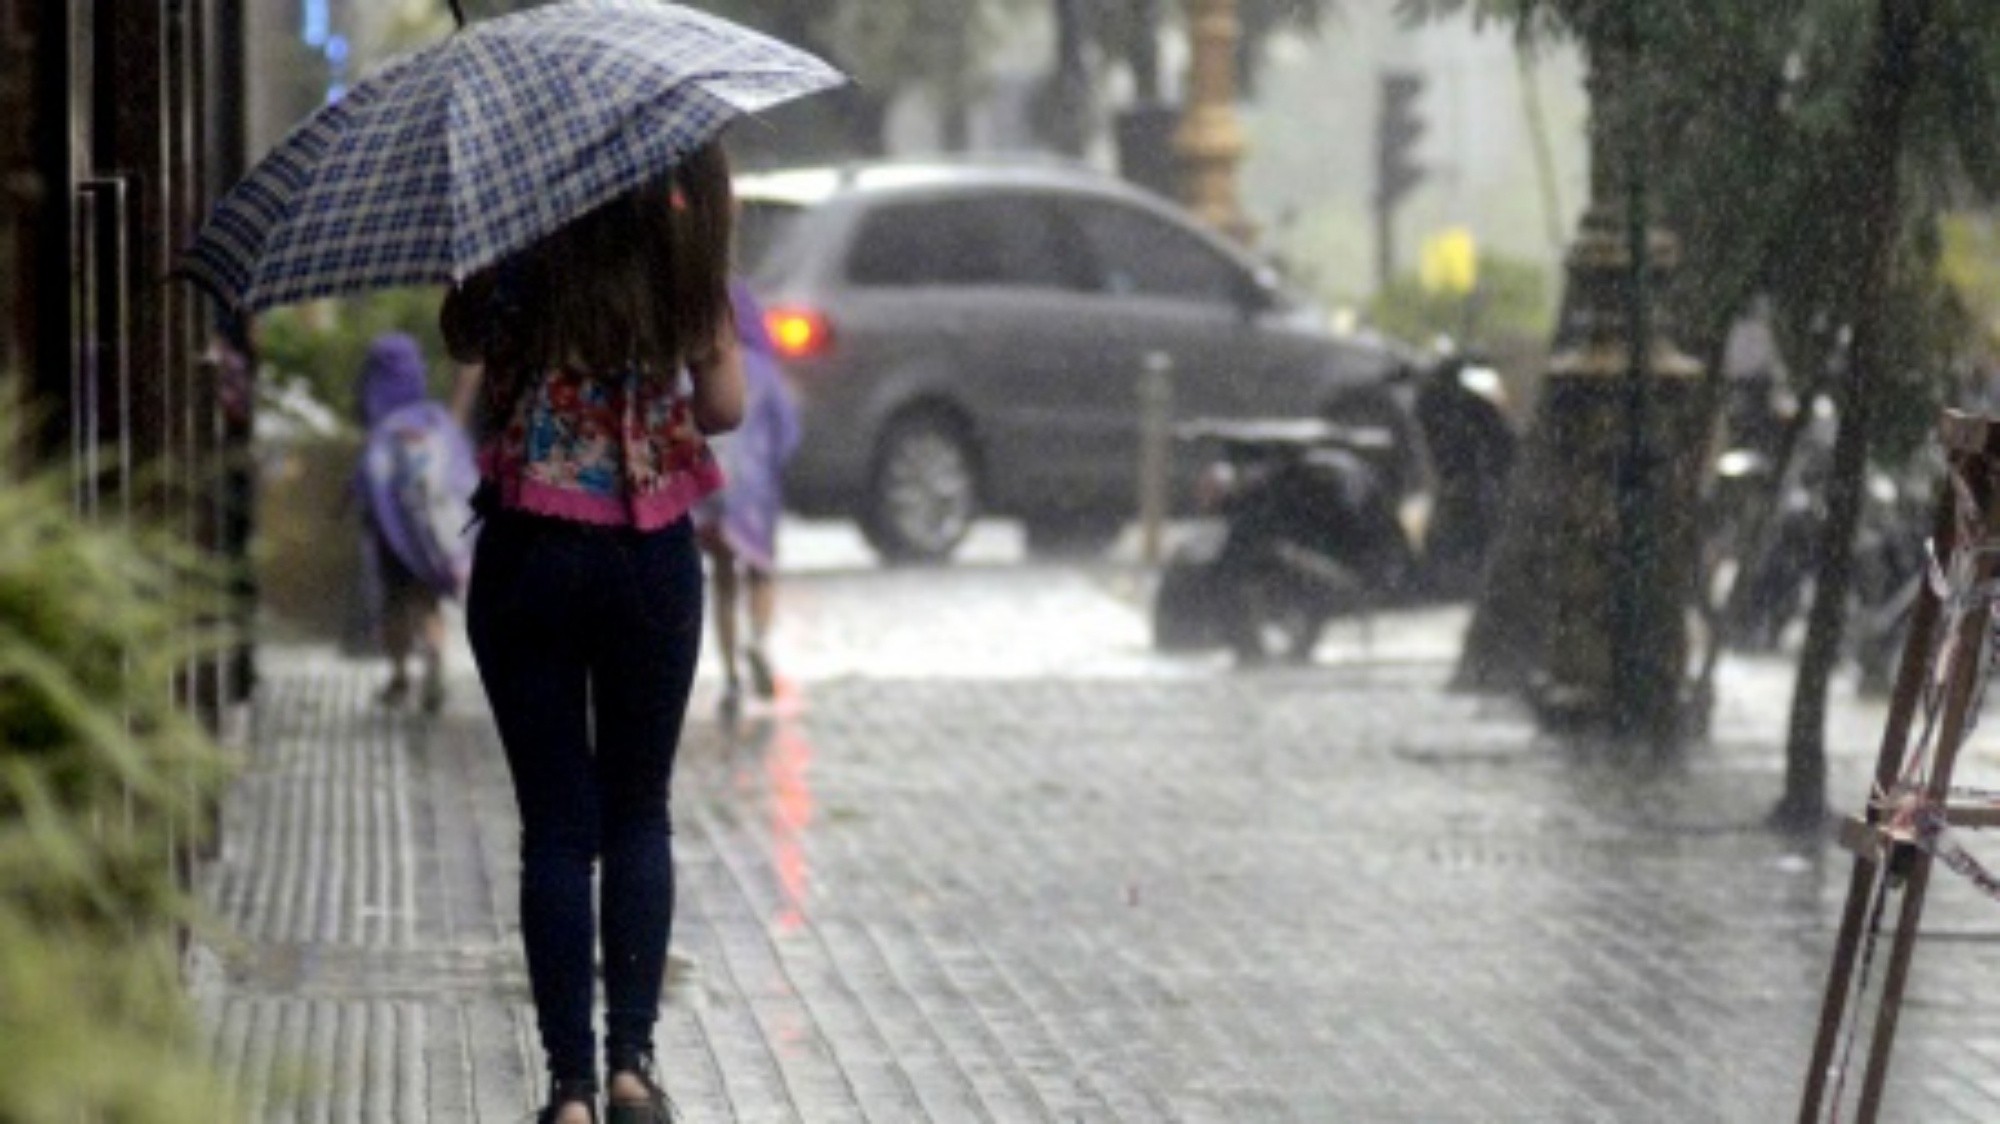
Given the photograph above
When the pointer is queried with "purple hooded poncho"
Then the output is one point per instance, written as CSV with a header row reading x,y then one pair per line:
x,y
753,455
393,375
417,472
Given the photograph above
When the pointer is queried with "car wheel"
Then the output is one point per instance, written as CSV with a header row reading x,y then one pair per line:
x,y
924,494
1072,535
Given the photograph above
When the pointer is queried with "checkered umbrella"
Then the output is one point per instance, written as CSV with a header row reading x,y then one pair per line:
x,y
451,157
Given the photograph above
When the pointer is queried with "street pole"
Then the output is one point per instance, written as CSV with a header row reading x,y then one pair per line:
x,y
1385,242
1620,434
1636,709
1398,127
1156,446
1210,141
1145,129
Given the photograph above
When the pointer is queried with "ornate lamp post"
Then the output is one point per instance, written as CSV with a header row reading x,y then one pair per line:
x,y
1209,141
1621,409
1586,598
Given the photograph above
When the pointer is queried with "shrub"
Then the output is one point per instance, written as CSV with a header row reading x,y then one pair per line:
x,y
100,770
1512,304
324,343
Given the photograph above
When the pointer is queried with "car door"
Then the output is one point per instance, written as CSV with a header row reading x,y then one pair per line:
x,y
1166,301
1028,353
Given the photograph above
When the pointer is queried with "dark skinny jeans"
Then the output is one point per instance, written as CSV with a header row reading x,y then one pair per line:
x,y
587,639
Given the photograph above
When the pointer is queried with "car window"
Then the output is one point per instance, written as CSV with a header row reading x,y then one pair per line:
x,y
1136,252
1002,240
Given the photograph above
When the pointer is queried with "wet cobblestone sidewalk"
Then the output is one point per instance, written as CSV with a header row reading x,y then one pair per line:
x,y
989,859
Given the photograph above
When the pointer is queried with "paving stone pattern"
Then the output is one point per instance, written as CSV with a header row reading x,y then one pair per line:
x,y
1017,868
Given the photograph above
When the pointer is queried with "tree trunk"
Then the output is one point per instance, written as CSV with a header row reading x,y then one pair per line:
x,y
1879,115
1069,92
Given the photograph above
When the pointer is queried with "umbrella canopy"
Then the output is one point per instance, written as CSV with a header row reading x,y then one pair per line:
x,y
451,157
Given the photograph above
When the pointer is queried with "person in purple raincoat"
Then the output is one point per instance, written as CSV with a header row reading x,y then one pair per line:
x,y
415,482
739,524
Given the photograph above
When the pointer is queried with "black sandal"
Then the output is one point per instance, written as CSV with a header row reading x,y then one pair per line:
x,y
564,1092
655,1109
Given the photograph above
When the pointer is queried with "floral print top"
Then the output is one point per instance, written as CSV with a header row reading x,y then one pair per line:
x,y
614,450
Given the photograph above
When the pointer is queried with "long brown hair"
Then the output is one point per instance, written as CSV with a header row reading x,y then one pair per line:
x,y
641,282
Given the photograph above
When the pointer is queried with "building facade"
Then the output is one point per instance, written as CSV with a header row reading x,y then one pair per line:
x,y
120,121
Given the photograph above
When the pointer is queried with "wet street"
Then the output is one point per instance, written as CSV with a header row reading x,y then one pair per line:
x,y
990,858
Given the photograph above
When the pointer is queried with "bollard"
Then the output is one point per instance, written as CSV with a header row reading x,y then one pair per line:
x,y
1156,416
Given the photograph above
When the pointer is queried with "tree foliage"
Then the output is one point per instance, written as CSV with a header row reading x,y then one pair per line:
x,y
1809,149
890,47
1748,108
1127,31
323,344
939,48
1508,312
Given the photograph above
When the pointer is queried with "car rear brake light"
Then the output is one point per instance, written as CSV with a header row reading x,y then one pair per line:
x,y
798,333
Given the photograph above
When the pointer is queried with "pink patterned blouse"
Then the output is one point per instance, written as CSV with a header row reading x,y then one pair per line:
x,y
617,450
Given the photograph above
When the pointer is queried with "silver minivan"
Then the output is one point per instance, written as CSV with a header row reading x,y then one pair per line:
x,y
968,338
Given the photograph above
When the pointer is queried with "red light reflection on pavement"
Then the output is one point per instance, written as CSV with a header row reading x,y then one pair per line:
x,y
791,804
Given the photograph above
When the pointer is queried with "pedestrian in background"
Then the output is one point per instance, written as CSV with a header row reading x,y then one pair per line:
x,y
607,353
1759,401
415,481
232,356
739,524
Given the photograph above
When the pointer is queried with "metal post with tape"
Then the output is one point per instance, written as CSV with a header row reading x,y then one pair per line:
x,y
1913,809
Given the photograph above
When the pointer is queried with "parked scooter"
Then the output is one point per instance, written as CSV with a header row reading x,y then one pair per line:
x,y
1763,537
1458,405
1891,560
1310,513
1308,530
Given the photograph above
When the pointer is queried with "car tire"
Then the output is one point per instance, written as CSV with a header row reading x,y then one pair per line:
x,y
1071,535
923,494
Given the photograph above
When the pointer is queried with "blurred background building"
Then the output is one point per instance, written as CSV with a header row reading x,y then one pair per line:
x,y
123,121
303,52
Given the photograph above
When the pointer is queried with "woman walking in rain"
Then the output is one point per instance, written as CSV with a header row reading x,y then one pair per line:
x,y
739,525
609,353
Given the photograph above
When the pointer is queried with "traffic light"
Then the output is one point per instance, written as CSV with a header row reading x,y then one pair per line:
x,y
1397,172
1397,131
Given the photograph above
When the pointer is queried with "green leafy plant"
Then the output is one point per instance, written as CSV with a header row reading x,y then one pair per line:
x,y
1971,266
324,343
1511,303
101,773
